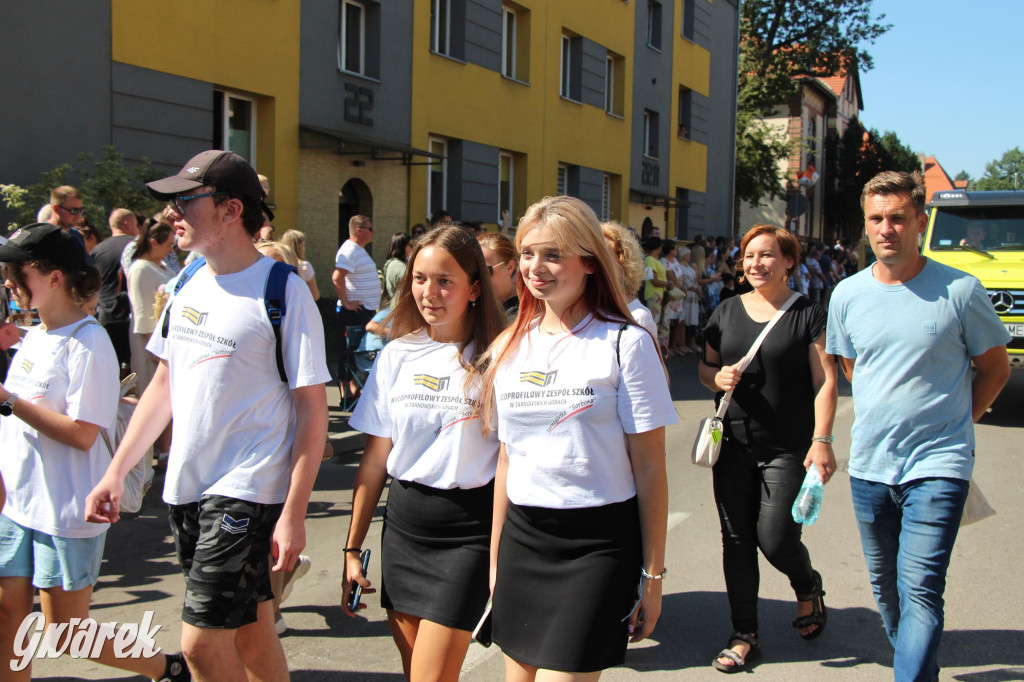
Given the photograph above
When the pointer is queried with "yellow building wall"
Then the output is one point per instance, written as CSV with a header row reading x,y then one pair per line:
x,y
480,105
249,46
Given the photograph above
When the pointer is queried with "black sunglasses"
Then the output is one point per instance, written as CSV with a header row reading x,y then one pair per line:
x,y
73,211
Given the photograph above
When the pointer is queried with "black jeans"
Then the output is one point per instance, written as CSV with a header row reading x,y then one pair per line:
x,y
754,498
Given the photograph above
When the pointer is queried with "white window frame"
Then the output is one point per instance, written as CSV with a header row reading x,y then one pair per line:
x,y
609,84
565,68
342,35
508,42
651,33
431,141
435,30
503,158
606,197
562,180
647,135
224,122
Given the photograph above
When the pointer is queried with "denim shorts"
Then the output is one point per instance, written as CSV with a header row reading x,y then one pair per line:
x,y
50,561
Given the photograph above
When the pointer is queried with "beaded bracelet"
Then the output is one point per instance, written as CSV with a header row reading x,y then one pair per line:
x,y
647,576
823,439
357,550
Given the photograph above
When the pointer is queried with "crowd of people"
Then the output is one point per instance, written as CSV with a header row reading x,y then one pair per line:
x,y
513,389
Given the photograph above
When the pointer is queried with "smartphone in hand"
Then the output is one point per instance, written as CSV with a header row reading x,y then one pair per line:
x,y
357,589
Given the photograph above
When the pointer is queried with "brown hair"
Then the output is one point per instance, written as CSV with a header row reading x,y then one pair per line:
x,y
61,194
79,285
788,244
889,183
486,319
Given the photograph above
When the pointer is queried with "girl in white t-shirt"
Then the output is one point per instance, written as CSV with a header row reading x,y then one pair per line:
x,y
62,389
580,495
297,242
420,412
145,276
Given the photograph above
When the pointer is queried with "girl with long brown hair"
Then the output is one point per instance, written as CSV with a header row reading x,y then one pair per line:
x,y
420,412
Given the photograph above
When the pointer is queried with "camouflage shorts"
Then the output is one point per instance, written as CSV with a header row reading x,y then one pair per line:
x,y
223,547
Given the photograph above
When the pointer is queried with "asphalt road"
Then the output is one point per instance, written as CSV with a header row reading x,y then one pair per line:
x,y
983,642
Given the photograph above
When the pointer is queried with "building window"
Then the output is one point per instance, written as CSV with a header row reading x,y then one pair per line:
x,y
505,184
234,124
563,180
684,131
609,84
654,24
437,176
570,82
508,43
566,78
441,26
352,42
686,30
650,133
606,197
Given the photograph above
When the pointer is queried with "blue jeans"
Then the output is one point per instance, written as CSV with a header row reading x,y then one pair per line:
x,y
907,533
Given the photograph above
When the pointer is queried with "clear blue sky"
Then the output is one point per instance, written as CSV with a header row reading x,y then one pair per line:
x,y
948,80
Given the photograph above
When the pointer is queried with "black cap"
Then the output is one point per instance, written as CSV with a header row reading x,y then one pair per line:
x,y
226,171
43,241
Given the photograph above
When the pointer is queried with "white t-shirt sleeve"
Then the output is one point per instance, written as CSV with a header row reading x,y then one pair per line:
x,y
644,401
343,261
372,415
93,381
306,271
302,337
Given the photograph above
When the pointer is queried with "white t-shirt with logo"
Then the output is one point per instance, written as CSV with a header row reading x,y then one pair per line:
x,y
47,482
415,396
234,419
565,406
362,284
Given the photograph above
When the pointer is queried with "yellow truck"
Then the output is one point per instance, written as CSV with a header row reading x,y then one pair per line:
x,y
982,233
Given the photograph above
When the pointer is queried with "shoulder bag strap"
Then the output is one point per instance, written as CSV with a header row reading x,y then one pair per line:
x,y
723,406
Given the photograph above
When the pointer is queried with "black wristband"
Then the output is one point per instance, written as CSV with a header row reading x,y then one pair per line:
x,y
357,550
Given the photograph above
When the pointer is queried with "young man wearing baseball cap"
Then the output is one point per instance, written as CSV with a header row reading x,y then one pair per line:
x,y
246,446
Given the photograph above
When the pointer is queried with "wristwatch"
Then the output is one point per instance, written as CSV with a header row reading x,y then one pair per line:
x,y
7,406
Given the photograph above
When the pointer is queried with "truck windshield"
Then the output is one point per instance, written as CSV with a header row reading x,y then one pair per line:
x,y
990,228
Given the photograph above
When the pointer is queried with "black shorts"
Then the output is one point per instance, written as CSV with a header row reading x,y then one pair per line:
x,y
223,546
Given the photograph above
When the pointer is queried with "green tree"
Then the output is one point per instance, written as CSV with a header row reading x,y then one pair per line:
x,y
779,41
105,185
965,176
1006,172
896,156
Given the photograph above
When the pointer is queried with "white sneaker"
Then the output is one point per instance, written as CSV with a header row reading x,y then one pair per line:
x,y
302,567
280,627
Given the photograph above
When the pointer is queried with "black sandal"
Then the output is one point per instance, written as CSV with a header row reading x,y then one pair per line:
x,y
819,616
739,662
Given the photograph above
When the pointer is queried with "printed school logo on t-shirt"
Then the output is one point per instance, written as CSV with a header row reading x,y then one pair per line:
x,y
435,384
194,316
537,378
27,366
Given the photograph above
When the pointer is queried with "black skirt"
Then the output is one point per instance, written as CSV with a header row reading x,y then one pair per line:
x,y
435,552
566,579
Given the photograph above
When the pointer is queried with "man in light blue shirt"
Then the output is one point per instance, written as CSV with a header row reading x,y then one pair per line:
x,y
907,330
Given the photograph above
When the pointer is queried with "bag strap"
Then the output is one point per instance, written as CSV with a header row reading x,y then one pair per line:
x,y
183,278
274,300
723,406
618,340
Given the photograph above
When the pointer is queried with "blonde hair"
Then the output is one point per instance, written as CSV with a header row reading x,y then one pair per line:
x,y
627,252
279,252
576,231
296,241
698,259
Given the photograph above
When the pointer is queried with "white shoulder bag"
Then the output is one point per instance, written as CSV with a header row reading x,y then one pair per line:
x,y
708,444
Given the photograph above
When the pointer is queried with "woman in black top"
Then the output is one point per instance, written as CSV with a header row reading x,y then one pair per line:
x,y
778,425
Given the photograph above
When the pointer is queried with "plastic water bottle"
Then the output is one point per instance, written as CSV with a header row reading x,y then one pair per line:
x,y
807,505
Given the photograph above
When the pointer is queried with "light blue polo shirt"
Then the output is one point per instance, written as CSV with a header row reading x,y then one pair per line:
x,y
913,344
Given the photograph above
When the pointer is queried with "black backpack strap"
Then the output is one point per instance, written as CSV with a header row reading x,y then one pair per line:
x,y
618,340
184,277
274,300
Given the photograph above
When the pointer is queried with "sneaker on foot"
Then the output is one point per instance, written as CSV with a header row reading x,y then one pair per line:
x,y
302,567
280,627
176,670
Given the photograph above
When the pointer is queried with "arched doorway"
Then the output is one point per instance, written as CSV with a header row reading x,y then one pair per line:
x,y
354,199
